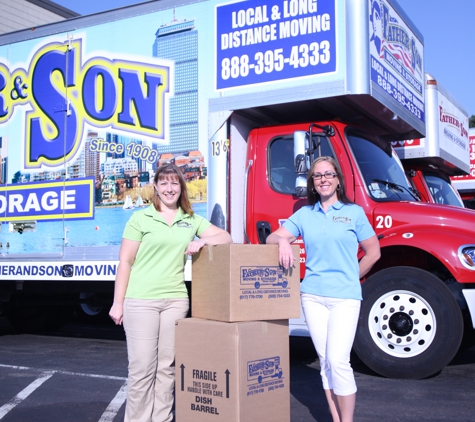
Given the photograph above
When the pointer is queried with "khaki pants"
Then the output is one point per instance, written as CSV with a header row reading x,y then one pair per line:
x,y
150,329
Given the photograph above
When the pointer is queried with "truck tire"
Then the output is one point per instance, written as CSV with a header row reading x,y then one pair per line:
x,y
410,324
92,310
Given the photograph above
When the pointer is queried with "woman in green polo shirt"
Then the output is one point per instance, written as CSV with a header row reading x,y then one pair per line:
x,y
150,293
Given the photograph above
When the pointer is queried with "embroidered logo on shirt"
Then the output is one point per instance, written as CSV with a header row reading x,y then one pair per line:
x,y
184,224
345,220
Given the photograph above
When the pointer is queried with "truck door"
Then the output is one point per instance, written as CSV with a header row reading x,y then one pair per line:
x,y
271,195
32,140
271,185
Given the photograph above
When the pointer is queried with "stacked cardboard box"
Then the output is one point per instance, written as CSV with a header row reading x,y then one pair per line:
x,y
244,283
232,372
232,356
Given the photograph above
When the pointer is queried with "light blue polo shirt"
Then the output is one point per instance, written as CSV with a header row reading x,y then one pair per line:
x,y
331,243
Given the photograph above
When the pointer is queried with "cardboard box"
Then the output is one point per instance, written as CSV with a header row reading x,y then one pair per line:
x,y
238,282
232,372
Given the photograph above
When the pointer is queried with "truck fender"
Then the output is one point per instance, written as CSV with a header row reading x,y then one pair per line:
x,y
444,244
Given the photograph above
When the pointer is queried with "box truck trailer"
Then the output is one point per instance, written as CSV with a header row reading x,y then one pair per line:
x,y
430,162
236,94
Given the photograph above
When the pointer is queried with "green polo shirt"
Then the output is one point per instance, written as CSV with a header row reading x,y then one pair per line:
x,y
158,270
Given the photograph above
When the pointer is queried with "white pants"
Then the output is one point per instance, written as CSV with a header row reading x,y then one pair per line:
x,y
332,325
150,329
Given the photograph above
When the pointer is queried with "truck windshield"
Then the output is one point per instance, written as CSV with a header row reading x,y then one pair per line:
x,y
442,191
381,170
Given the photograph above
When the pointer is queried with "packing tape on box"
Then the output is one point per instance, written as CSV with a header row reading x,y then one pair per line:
x,y
264,327
210,251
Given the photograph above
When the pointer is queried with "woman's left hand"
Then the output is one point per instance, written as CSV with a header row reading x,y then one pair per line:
x,y
194,246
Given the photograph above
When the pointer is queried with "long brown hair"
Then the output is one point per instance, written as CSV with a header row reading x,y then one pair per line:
x,y
167,171
312,195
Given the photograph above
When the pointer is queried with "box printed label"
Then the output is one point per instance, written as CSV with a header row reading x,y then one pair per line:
x,y
206,387
264,375
257,281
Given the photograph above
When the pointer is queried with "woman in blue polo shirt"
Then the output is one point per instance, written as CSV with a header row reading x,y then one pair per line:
x,y
332,228
150,293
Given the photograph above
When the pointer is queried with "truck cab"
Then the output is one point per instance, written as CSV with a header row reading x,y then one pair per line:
x,y
433,185
422,243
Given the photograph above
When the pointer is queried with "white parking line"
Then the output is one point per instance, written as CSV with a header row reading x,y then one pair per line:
x,y
114,405
22,395
108,415
26,368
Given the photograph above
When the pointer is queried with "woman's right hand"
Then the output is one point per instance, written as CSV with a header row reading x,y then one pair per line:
x,y
283,238
117,313
286,254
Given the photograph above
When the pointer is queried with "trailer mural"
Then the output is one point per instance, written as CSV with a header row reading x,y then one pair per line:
x,y
86,116
83,127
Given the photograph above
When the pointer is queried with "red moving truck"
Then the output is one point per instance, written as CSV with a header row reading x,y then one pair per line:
x,y
444,152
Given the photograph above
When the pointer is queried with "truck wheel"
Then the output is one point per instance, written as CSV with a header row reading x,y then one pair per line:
x,y
91,309
410,324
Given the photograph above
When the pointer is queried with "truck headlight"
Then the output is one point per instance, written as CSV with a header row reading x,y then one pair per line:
x,y
467,256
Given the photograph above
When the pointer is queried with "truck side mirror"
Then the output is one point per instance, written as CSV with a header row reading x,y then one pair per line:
x,y
300,150
301,186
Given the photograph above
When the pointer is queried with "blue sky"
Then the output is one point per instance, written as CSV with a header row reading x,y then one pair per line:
x,y
447,28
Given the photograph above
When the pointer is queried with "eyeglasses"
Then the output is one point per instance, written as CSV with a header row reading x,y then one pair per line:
x,y
327,174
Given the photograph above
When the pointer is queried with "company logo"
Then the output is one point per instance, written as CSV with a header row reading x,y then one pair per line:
x,y
81,271
263,277
345,220
399,43
62,94
452,120
259,370
388,34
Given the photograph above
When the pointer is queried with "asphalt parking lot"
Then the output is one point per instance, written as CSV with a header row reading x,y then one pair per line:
x,y
78,374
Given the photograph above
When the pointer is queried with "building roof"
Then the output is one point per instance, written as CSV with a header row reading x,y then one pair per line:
x,y
55,8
